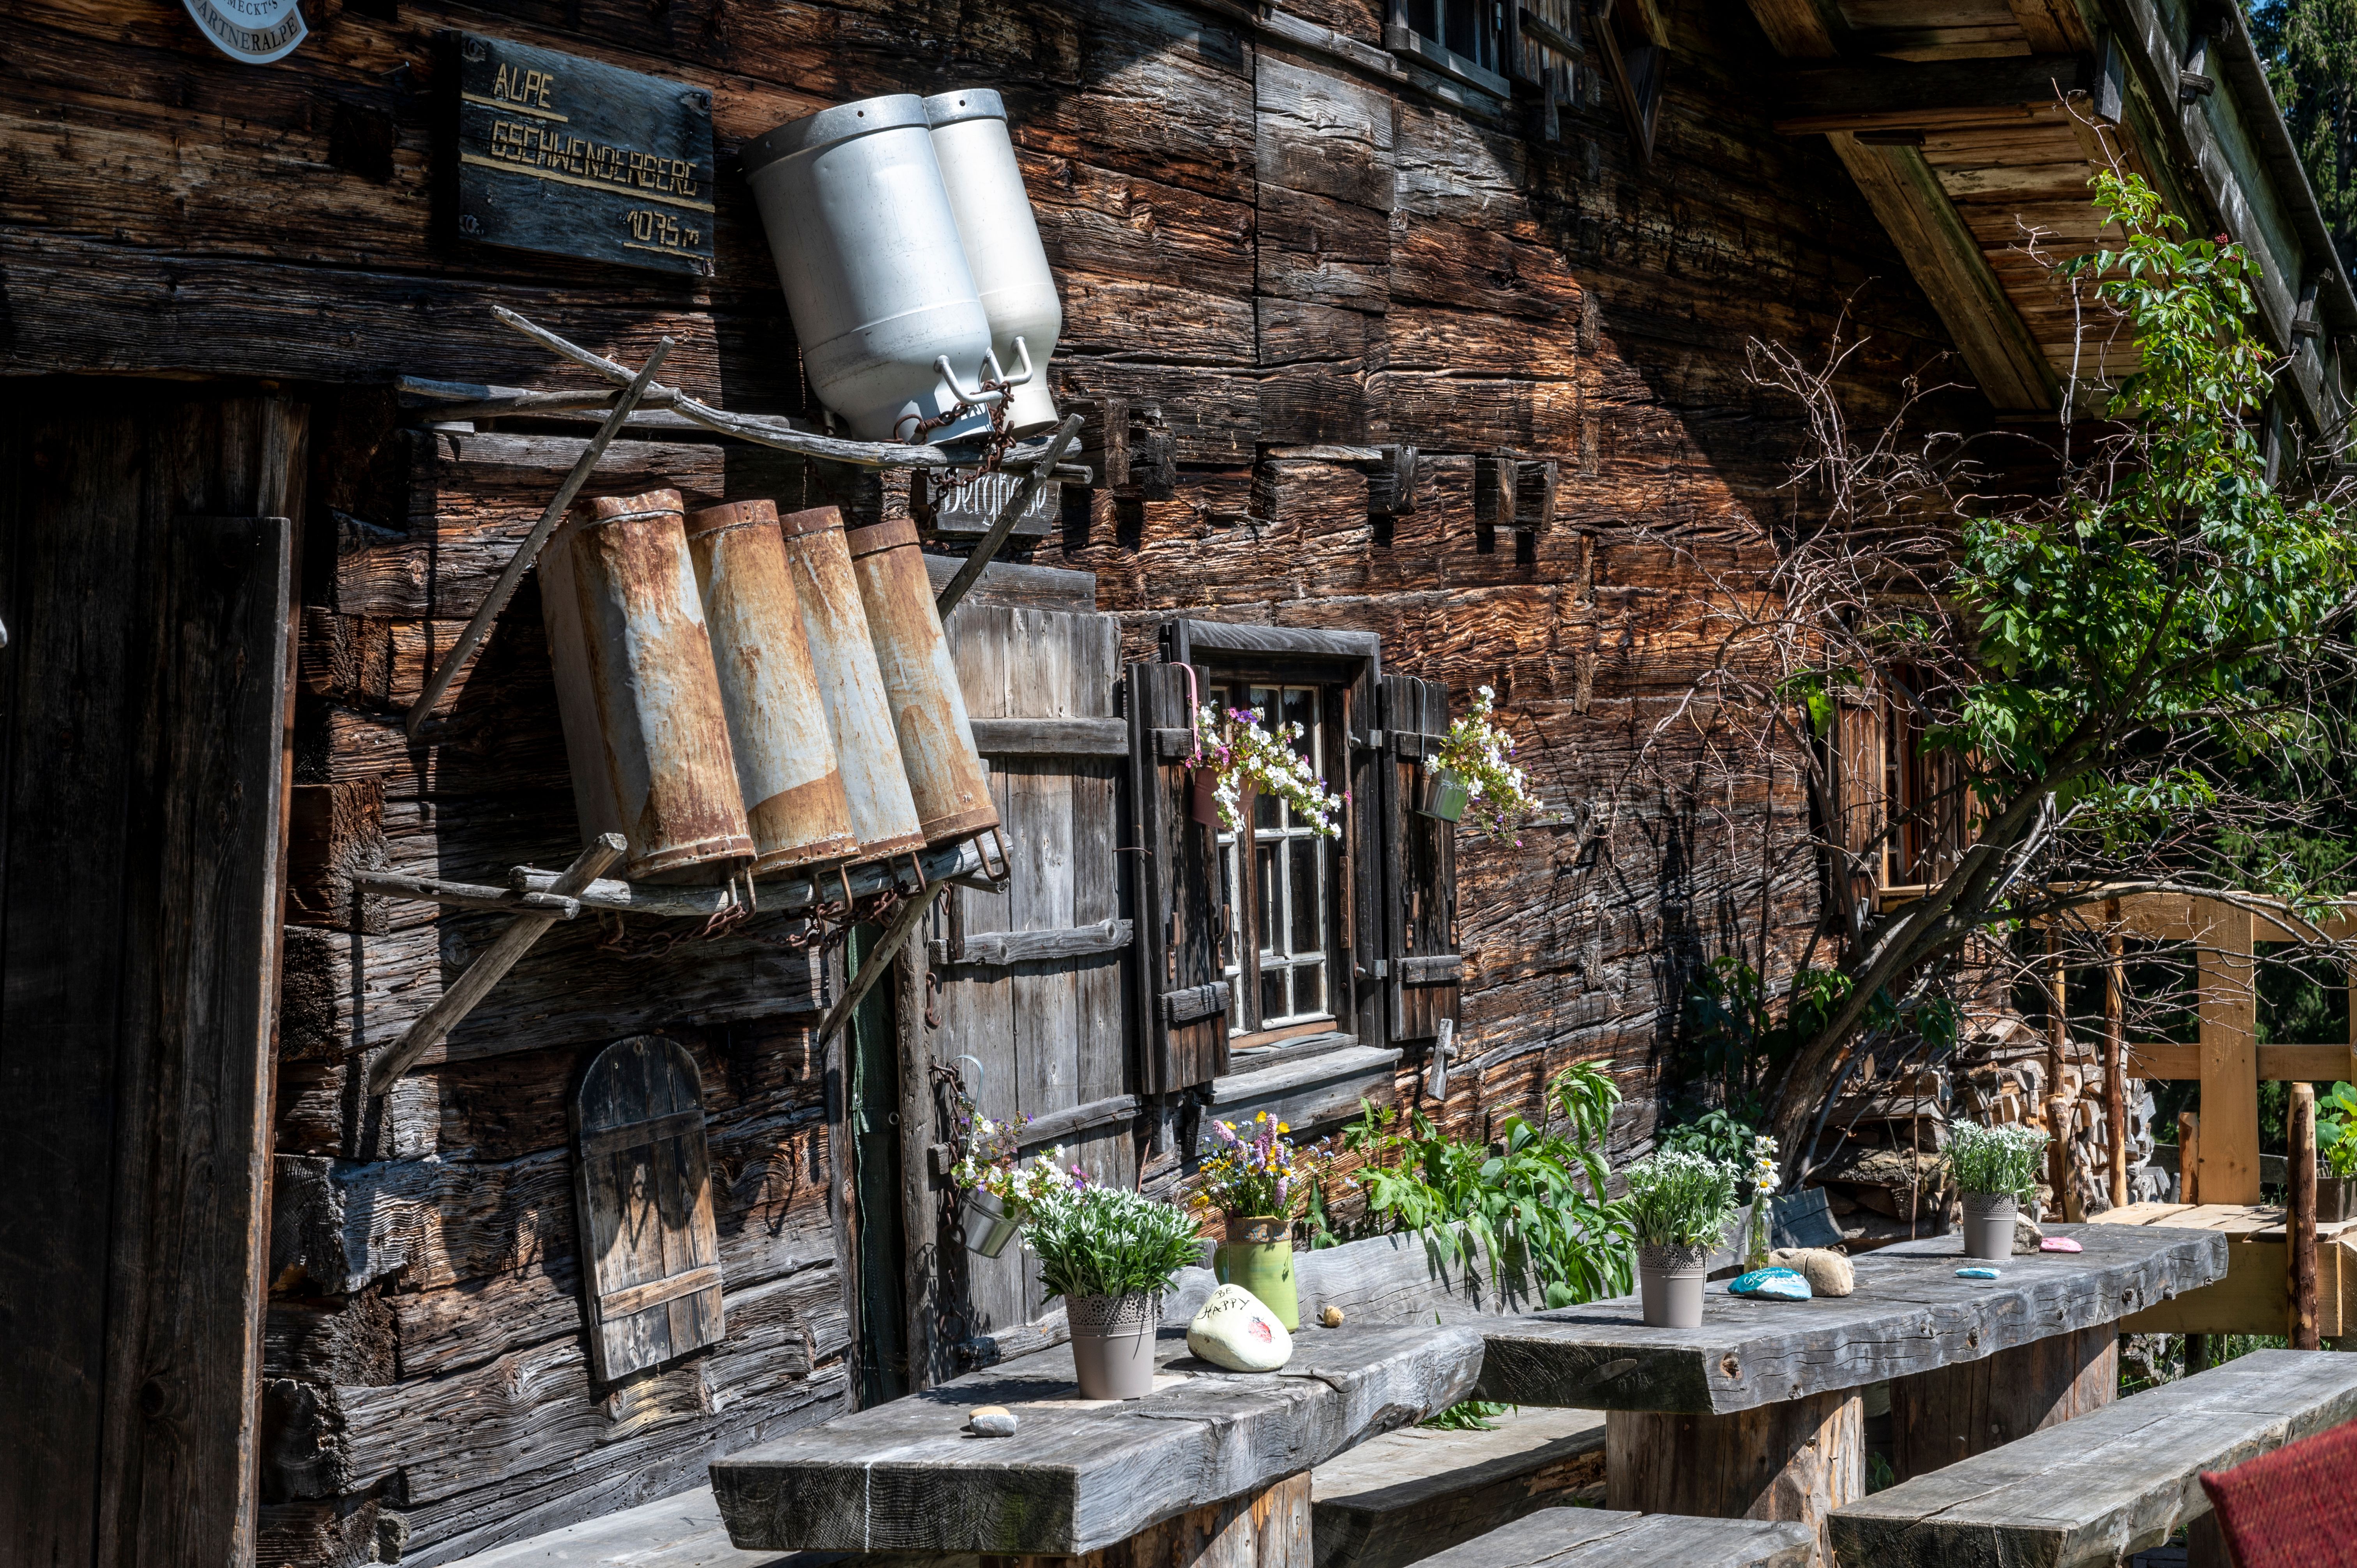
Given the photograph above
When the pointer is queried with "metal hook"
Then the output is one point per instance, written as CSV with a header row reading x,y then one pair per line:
x,y
976,394
995,383
977,1095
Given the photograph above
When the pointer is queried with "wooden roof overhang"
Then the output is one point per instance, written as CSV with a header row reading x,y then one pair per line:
x,y
1969,123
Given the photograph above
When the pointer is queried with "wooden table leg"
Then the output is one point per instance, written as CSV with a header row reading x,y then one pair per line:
x,y
1798,1460
1267,1528
1953,1412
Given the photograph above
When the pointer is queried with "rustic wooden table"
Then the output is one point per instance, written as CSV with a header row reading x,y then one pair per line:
x,y
1759,1413
1211,1468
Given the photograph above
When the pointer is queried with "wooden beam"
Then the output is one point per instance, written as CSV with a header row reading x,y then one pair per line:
x,y
2050,27
1802,30
2276,1064
1924,97
1948,266
2230,1062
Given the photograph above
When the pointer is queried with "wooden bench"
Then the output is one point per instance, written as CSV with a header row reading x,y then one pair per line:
x,y
1595,1538
2107,1485
1400,1498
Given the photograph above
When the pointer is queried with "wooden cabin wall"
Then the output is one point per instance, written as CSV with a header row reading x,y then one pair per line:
x,y
1276,248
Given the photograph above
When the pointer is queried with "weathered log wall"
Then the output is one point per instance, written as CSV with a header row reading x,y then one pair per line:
x,y
1278,239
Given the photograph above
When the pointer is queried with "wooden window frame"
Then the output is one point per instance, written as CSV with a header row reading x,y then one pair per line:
x,y
1345,663
1493,33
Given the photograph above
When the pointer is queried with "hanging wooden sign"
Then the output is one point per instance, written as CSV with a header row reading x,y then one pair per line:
x,y
565,156
965,502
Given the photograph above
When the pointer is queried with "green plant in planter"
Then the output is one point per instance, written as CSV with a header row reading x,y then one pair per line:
x,y
2336,1129
1102,1240
1677,1199
2001,1160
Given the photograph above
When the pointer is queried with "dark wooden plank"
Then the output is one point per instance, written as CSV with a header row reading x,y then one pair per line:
x,y
1909,1314
1599,1538
1951,1413
1075,1478
1051,737
1011,583
1001,950
1408,1494
2107,1485
148,673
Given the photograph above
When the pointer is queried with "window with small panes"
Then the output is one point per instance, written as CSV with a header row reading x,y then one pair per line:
x,y
1279,877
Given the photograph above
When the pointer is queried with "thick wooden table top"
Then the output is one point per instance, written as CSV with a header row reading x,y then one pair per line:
x,y
1079,1475
1909,1314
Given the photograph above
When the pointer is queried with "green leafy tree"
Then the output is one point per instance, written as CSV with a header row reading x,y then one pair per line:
x,y
2310,48
2126,671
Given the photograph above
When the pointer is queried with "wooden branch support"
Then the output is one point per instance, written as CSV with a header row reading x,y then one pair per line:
x,y
1004,523
888,948
2115,1089
489,965
764,430
467,895
2299,1205
478,625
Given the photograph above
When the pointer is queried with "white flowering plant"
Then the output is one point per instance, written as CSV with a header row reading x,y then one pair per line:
x,y
1021,1187
1240,752
1498,799
1680,1199
2001,1160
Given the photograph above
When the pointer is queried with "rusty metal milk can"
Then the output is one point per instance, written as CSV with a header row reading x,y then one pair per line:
x,y
945,773
776,720
883,814
645,728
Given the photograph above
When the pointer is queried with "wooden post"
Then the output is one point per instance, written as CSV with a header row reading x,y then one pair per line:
x,y
2300,1144
490,966
2057,1054
2189,1157
2230,1058
2115,1089
1953,1412
1797,1460
919,1218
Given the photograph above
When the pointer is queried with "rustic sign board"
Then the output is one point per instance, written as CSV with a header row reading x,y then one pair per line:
x,y
650,1255
565,156
965,503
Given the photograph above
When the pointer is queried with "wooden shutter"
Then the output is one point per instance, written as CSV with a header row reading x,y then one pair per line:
x,y
1859,790
1182,993
650,1260
1365,837
1424,969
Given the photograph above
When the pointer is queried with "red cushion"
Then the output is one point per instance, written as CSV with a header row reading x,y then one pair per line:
x,y
2296,1508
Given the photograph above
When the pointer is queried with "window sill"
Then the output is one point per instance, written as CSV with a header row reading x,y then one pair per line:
x,y
1433,57
1282,1053
1309,1092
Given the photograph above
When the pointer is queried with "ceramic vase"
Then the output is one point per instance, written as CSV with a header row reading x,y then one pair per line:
x,y
1113,1344
1258,1256
1988,1224
1669,1285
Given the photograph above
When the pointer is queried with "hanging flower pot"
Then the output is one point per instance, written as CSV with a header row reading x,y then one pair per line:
x,y
1445,795
1258,1256
988,1226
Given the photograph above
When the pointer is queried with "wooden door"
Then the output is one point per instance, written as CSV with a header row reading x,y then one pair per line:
x,y
144,589
1031,980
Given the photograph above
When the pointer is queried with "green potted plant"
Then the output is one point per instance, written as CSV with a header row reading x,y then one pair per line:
x,y
1473,772
2336,1147
1996,1168
1679,1204
1110,1254
1240,757
1257,1181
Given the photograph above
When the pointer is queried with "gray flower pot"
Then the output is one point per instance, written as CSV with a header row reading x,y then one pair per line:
x,y
988,1227
1113,1344
1670,1284
1443,795
1988,1224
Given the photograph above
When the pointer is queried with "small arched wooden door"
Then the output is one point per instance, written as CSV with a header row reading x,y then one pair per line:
x,y
649,1257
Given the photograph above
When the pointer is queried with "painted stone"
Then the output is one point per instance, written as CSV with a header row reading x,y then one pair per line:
x,y
1771,1285
1235,1331
1828,1271
1977,1274
1331,1317
2059,1244
992,1420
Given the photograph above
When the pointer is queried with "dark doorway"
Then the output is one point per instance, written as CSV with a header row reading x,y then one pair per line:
x,y
145,575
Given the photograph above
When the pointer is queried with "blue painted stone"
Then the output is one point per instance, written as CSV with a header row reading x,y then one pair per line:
x,y
1771,1285
1977,1274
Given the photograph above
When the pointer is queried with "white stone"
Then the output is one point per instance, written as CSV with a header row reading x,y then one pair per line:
x,y
992,1420
1235,1331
